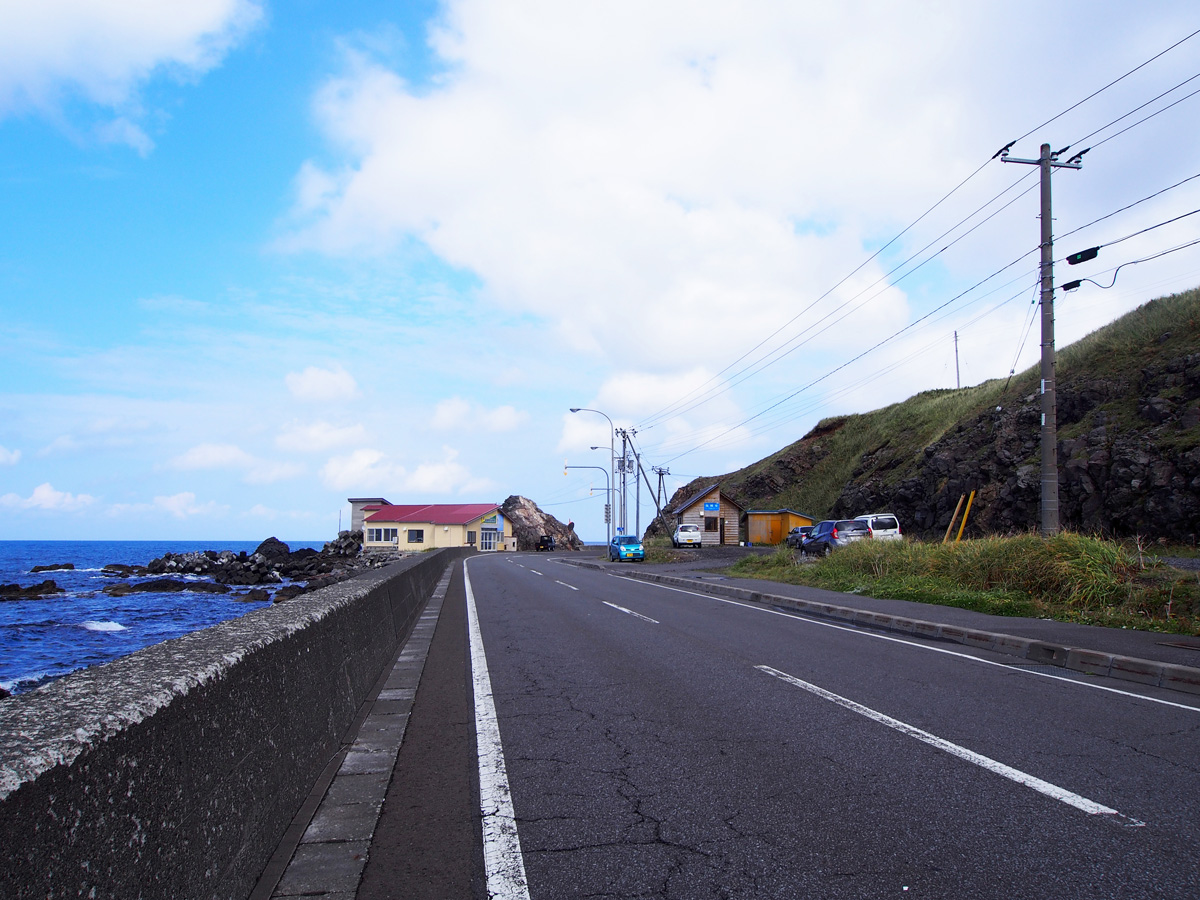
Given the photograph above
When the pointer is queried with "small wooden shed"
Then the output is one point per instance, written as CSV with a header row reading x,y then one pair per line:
x,y
771,526
717,514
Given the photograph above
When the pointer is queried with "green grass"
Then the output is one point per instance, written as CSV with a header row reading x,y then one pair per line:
x,y
888,444
1070,577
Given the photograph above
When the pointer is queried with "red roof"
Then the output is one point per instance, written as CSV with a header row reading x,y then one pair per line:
x,y
435,513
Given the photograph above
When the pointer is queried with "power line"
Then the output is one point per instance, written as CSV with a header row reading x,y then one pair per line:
x,y
795,343
1130,206
1107,86
681,405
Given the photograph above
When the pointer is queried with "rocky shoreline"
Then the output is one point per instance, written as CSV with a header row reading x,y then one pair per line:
x,y
272,563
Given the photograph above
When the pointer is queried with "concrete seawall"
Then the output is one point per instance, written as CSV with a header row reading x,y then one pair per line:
x,y
173,772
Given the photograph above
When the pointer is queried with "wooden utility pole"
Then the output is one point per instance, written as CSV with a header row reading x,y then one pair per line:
x,y
1047,162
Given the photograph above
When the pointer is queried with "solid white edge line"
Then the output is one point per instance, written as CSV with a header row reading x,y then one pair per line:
x,y
1090,807
799,615
503,863
632,613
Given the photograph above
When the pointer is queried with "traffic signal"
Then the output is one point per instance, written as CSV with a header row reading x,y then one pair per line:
x,y
1082,256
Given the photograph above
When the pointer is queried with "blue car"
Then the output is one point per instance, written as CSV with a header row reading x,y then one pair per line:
x,y
625,546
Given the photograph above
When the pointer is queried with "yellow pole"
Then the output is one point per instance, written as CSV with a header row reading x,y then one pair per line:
x,y
953,518
966,512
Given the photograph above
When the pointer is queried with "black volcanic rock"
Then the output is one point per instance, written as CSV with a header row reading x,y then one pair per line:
x,y
55,567
33,592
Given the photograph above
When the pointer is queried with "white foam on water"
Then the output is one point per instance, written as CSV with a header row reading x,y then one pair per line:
x,y
104,626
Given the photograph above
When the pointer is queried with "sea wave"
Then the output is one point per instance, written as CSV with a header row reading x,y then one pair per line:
x,y
104,626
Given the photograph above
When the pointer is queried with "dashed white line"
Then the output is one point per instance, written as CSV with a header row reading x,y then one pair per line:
x,y
1090,807
503,863
564,584
798,616
535,571
632,613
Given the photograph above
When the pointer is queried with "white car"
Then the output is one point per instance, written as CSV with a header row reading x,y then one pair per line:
x,y
884,526
687,536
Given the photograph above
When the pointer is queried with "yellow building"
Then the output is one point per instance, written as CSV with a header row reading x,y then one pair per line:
x,y
771,526
429,526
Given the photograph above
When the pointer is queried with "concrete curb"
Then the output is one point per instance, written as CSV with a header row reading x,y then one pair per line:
x,y
1092,662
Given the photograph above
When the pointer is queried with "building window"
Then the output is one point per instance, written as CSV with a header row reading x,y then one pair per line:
x,y
381,535
710,523
471,538
416,535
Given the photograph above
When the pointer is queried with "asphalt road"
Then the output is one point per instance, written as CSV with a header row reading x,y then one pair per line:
x,y
666,744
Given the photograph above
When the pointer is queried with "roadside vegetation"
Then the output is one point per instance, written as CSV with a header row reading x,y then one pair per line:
x,y
1070,578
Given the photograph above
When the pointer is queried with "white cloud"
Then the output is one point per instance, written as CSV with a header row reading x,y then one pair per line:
x,y
456,413
316,437
322,385
9,457
212,456
661,197
230,456
371,470
105,51
183,505
44,496
123,131
364,469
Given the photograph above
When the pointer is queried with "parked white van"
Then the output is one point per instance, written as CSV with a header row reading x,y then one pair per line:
x,y
884,526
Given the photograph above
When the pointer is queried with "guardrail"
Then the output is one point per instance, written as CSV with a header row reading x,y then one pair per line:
x,y
173,772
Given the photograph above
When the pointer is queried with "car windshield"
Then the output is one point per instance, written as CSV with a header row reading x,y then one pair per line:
x,y
626,540
689,527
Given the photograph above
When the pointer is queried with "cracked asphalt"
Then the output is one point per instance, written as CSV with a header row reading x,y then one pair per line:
x,y
656,759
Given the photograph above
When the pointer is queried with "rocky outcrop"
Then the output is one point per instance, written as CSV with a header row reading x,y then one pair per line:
x,y
1128,449
54,567
271,563
529,523
32,592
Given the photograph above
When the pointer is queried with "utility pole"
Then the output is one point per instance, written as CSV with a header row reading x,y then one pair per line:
x,y
957,377
660,495
624,490
1047,162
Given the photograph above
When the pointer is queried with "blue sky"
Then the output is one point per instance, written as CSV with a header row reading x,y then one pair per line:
x,y
259,257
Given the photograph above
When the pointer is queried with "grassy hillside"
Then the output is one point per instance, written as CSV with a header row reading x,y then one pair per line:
x,y
1127,390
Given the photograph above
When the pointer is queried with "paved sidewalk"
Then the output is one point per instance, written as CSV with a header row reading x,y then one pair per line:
x,y
325,849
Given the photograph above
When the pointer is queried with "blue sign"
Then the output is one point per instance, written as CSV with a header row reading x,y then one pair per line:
x,y
712,507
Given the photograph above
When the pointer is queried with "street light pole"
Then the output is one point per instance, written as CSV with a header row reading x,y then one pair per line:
x,y
612,457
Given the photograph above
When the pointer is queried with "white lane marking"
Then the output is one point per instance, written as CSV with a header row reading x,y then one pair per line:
x,y
1091,807
535,571
503,863
632,613
799,616
564,584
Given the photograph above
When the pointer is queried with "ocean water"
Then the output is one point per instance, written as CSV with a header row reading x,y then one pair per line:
x,y
47,638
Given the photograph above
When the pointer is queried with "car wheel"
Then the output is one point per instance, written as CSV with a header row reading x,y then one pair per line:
x,y
826,550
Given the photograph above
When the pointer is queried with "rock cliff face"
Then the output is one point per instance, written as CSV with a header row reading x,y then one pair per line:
x,y
529,523
1128,450
1119,474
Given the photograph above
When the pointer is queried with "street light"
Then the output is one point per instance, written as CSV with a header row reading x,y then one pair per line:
x,y
607,518
612,459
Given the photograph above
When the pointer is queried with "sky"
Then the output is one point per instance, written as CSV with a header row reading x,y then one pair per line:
x,y
259,257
